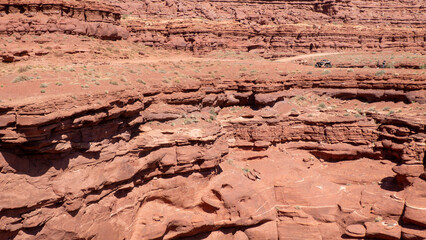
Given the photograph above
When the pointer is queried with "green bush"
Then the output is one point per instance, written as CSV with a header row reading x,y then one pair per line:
x,y
321,105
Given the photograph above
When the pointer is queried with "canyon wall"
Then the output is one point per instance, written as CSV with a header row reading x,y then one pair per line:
x,y
257,156
168,163
69,17
273,28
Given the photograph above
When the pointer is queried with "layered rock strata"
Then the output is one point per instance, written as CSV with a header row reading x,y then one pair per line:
x,y
274,28
171,163
69,17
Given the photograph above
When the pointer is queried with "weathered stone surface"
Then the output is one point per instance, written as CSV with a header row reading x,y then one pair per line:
x,y
285,151
386,229
356,230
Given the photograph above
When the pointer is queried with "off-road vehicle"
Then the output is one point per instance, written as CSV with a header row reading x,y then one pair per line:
x,y
323,63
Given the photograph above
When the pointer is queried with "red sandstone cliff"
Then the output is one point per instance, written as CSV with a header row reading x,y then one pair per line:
x,y
263,155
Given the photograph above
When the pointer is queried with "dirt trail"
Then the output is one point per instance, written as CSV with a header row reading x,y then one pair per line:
x,y
179,59
189,58
289,59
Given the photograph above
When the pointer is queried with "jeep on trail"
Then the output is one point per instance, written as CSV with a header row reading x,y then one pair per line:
x,y
323,63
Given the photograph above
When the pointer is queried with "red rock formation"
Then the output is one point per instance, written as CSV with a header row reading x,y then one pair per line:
x,y
182,162
69,17
119,169
271,28
279,26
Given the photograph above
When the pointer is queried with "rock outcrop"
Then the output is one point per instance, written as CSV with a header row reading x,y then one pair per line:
x,y
69,17
170,163
274,29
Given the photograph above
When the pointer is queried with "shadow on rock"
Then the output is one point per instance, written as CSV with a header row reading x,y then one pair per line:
x,y
390,184
34,165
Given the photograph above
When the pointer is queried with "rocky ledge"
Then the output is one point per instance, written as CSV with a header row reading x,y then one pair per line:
x,y
215,160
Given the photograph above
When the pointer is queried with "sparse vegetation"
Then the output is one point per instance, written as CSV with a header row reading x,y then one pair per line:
x,y
325,72
187,121
24,69
43,85
235,109
380,73
141,81
300,98
21,79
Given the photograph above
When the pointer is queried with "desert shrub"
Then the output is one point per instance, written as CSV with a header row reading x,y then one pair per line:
x,y
141,81
187,121
380,73
213,114
21,79
389,65
24,69
325,72
300,98
321,105
43,85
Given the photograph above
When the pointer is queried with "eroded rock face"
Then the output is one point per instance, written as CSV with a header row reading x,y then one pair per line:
x,y
273,29
183,162
278,27
69,17
174,164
